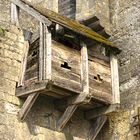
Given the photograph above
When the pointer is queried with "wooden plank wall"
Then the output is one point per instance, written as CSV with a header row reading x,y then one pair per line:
x,y
69,77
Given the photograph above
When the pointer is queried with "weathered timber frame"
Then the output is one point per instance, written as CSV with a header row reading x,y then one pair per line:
x,y
46,17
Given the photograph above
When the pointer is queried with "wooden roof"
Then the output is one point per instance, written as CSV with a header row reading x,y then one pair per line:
x,y
69,23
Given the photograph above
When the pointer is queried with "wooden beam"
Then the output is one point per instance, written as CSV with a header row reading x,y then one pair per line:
x,y
45,53
32,12
66,117
27,106
85,90
115,79
26,90
66,22
14,14
23,64
97,126
97,112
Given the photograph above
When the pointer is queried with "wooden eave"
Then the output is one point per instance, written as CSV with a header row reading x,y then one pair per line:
x,y
68,23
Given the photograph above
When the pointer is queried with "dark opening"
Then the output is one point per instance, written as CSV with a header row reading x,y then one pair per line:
x,y
66,66
95,77
98,77
34,53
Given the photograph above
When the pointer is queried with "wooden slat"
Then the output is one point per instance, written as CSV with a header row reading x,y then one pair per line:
x,y
97,126
66,22
27,106
115,79
23,64
14,14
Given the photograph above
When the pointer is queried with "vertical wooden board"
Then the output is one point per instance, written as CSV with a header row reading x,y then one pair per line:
x,y
41,47
115,79
23,64
14,14
44,53
84,69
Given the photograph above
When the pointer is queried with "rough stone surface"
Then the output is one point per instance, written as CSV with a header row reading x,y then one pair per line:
x,y
125,27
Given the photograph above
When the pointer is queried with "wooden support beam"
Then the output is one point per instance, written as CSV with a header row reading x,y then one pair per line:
x,y
97,126
45,53
66,117
85,90
27,106
32,12
115,79
23,64
14,14
97,112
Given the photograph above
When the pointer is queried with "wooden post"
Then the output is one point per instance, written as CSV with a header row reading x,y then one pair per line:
x,y
44,53
84,69
14,14
115,79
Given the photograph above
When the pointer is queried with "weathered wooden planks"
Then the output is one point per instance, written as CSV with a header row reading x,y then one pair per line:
x,y
84,92
99,70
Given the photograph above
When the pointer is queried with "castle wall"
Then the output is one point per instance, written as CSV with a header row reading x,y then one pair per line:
x,y
122,18
125,28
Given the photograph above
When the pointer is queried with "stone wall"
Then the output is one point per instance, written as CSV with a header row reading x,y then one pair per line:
x,y
124,18
125,27
89,8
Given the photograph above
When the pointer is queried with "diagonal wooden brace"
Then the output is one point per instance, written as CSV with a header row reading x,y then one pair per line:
x,y
97,126
27,106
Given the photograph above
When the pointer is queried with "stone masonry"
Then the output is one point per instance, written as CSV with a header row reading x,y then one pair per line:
x,y
122,18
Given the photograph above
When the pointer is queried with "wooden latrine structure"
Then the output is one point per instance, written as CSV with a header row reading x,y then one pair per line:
x,y
72,62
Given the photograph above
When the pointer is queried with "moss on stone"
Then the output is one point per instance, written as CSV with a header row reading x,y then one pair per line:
x,y
2,31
